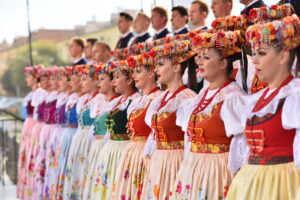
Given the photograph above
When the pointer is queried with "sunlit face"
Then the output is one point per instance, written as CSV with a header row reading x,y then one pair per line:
x,y
99,54
141,77
177,20
121,82
139,24
164,70
157,20
266,60
53,82
75,83
104,84
195,15
88,50
44,81
124,25
63,83
74,49
30,80
219,7
87,83
211,64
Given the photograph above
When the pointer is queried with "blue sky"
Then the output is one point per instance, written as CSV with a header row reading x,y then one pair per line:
x,y
65,14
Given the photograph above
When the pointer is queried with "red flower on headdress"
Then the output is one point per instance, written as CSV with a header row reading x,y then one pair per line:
x,y
131,61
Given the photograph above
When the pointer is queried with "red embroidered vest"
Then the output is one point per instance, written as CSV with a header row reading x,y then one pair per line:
x,y
167,134
269,142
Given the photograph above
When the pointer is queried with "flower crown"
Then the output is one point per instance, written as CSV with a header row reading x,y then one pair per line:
x,y
178,51
226,41
285,31
90,71
33,70
121,65
53,71
121,54
269,13
141,60
231,23
62,71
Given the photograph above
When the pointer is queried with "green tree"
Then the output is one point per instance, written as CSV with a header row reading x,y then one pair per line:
x,y
44,52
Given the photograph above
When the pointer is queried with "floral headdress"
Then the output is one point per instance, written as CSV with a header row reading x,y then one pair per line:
x,y
178,51
90,71
231,23
121,65
62,71
268,13
141,60
78,69
33,70
285,31
228,42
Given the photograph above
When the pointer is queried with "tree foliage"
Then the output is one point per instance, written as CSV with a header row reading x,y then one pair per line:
x,y
44,52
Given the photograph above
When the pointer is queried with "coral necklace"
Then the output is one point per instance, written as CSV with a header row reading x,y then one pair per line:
x,y
205,102
263,101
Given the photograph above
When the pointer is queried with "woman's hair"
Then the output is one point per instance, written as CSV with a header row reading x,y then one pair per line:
x,y
230,59
191,65
293,53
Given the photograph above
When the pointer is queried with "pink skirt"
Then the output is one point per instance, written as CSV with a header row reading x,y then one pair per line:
x,y
24,156
42,162
31,162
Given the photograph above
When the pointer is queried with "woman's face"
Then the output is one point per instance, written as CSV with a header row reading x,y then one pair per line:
x,y
87,83
211,64
266,60
30,80
142,77
53,82
44,81
63,83
164,70
121,82
75,83
104,84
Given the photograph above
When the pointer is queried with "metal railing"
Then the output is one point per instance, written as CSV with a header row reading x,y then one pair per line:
x,y
10,133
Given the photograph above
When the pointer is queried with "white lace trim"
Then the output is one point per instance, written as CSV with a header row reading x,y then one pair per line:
x,y
186,108
124,105
80,103
62,98
72,100
142,102
96,104
238,153
38,97
52,96
27,98
170,107
296,147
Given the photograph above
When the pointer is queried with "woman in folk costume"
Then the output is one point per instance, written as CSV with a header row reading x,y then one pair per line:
x,y
171,60
55,138
268,119
99,129
262,15
38,102
74,180
203,173
131,168
42,162
32,81
117,131
67,135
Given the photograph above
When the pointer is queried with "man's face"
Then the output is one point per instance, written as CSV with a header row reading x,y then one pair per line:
x,y
195,15
139,24
74,49
98,53
157,21
123,25
88,50
177,20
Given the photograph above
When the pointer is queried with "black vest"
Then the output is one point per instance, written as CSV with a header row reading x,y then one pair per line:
x,y
183,31
257,4
162,34
123,42
140,39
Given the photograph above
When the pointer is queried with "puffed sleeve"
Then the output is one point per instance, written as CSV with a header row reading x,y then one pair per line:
x,y
291,120
150,145
233,114
152,109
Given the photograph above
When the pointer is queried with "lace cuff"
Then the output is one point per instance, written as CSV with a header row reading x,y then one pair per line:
x,y
238,153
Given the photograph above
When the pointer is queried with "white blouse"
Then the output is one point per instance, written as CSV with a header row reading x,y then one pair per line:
x,y
236,110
